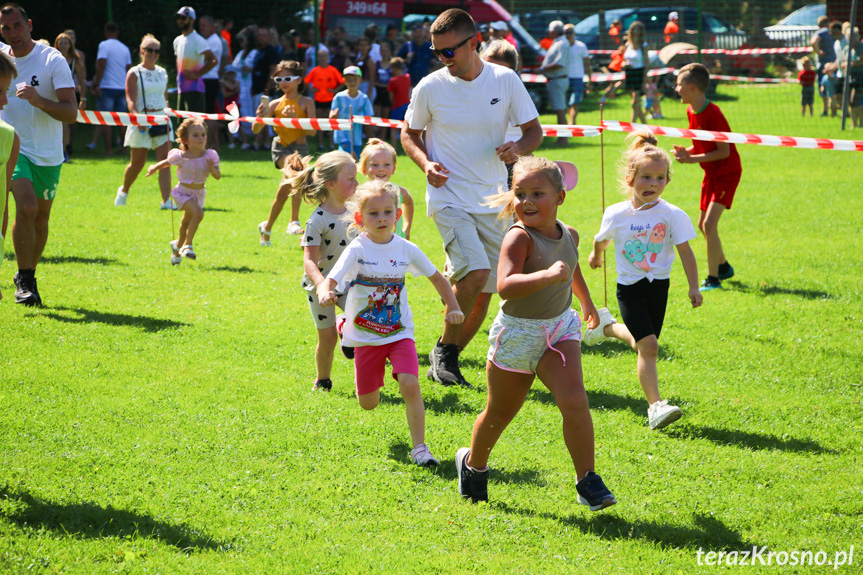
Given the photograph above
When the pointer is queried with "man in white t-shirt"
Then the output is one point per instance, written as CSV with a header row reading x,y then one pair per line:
x,y
113,60
194,59
579,67
41,99
465,110
207,29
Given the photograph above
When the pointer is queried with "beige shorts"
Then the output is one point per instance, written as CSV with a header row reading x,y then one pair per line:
x,y
135,139
472,242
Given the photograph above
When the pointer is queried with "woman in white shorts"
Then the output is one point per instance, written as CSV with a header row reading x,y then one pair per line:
x,y
147,93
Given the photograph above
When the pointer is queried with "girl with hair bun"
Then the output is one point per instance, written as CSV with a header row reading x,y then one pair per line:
x,y
646,229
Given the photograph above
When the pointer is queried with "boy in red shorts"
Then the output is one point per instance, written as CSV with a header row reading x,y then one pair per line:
x,y
720,162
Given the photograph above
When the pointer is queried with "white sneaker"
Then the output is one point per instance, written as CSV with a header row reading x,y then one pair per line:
x,y
661,414
423,457
120,200
597,335
167,205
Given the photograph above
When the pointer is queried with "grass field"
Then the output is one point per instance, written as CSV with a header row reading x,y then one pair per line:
x,y
159,419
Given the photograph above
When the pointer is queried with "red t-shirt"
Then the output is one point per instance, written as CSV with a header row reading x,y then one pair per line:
x,y
400,86
712,119
323,80
670,30
807,77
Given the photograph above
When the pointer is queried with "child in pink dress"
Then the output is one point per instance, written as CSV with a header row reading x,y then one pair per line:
x,y
194,164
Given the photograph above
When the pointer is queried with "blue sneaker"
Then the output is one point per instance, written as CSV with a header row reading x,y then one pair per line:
x,y
593,492
710,284
727,275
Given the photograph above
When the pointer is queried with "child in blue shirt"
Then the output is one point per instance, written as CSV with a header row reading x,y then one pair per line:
x,y
351,101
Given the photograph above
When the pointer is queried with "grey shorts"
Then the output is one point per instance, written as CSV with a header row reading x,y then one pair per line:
x,y
324,317
557,88
517,344
278,151
472,242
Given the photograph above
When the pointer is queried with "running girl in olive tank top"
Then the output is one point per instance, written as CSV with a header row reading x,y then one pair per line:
x,y
537,333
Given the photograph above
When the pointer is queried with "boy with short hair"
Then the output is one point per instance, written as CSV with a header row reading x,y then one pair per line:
x,y
400,88
720,162
9,144
806,78
351,102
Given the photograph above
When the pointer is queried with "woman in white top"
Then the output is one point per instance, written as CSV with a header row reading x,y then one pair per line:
x,y
64,44
146,93
244,61
636,63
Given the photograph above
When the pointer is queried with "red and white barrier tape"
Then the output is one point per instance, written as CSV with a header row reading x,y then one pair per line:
x,y
551,130
320,124
119,118
737,52
560,131
735,138
754,80
540,79
373,121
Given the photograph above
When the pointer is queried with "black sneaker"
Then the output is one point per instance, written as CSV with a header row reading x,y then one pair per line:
x,y
727,274
710,284
323,385
347,350
26,292
444,365
472,484
593,492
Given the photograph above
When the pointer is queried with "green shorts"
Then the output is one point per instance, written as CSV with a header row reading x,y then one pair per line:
x,y
44,178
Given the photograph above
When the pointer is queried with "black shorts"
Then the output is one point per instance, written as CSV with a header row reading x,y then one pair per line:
x,y
642,306
211,95
190,101
634,81
383,99
322,109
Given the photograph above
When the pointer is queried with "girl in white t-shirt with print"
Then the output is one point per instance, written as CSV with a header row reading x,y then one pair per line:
x,y
645,230
376,262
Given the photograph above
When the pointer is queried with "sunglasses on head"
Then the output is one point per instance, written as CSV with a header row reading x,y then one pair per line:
x,y
450,52
280,79
151,50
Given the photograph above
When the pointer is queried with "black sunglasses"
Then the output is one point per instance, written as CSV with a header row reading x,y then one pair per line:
x,y
151,50
450,52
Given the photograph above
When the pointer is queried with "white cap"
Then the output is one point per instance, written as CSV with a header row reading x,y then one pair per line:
x,y
187,11
353,70
500,25
673,15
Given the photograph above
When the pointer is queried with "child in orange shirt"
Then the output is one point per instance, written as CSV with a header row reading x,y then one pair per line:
x,y
325,81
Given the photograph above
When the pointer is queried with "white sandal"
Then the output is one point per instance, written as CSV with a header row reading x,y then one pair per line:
x,y
175,259
295,228
263,229
188,252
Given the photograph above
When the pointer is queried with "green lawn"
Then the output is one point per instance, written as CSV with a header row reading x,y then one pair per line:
x,y
158,419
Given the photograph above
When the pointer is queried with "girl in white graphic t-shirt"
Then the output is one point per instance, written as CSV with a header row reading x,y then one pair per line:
x,y
379,324
645,230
